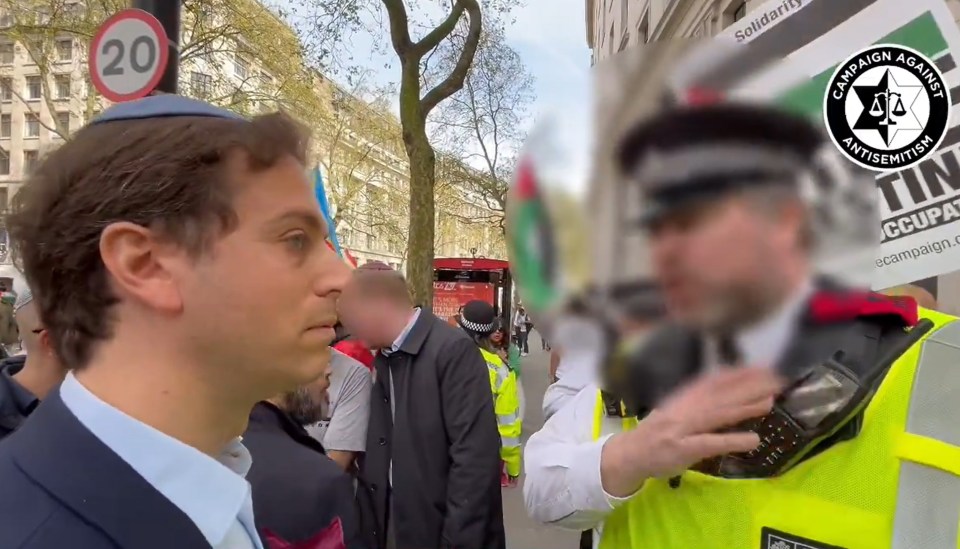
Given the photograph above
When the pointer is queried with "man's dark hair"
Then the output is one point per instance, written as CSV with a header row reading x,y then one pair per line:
x,y
168,174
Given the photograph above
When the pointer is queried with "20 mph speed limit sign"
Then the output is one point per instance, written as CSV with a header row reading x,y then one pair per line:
x,y
128,55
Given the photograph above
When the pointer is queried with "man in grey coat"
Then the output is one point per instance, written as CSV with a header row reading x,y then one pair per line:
x,y
430,477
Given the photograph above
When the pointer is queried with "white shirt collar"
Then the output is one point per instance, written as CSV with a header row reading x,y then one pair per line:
x,y
764,343
397,343
212,492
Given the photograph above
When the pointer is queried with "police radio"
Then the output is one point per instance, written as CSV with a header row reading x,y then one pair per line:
x,y
820,402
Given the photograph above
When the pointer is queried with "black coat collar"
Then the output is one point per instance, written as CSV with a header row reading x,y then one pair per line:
x,y
267,416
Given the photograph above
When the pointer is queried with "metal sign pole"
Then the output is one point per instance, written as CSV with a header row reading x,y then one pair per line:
x,y
168,13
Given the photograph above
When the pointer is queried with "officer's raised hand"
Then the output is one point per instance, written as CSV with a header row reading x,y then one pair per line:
x,y
684,429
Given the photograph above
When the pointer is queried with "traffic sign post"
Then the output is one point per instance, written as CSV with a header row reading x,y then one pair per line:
x,y
168,13
128,55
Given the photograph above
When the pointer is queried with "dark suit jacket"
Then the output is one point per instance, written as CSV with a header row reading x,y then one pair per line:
x,y
60,487
297,490
16,403
443,442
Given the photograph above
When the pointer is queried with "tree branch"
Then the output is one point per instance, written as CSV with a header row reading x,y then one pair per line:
x,y
454,81
399,31
437,35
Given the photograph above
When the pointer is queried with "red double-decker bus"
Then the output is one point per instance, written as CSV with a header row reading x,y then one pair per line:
x,y
457,281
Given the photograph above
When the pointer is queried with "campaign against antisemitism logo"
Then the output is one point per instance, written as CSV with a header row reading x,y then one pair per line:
x,y
887,107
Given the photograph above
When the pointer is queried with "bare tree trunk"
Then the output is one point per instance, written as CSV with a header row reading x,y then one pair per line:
x,y
420,250
414,110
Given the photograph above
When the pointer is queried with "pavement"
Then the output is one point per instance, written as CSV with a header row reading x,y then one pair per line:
x,y
522,532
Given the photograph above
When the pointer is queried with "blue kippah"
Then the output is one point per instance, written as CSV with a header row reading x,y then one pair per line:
x,y
158,106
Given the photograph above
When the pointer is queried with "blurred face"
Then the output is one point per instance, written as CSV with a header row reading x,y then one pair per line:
x,y
363,313
496,337
261,305
306,404
716,261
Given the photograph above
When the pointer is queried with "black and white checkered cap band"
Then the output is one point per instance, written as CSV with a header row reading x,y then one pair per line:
x,y
476,326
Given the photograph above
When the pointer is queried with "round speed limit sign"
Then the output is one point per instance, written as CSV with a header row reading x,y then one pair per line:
x,y
128,55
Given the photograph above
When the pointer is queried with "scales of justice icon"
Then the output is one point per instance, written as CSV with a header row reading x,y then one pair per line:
x,y
885,110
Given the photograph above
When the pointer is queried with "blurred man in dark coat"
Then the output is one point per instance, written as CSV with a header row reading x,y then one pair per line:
x,y
299,493
430,478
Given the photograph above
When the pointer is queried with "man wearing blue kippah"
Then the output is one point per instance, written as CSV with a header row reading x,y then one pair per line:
x,y
148,239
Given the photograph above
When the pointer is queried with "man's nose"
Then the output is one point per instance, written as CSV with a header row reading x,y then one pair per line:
x,y
334,275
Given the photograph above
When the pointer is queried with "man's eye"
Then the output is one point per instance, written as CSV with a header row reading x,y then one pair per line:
x,y
298,242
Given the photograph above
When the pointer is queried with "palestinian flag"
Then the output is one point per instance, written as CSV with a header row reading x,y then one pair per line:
x,y
530,241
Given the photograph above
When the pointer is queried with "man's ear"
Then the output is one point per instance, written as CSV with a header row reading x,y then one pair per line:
x,y
45,343
140,265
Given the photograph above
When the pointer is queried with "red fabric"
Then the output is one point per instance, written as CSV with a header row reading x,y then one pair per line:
x,y
827,307
330,537
357,350
701,97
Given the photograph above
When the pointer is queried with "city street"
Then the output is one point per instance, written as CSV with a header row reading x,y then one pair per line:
x,y
523,533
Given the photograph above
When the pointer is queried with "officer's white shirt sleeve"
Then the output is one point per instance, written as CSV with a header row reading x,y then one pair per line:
x,y
575,371
562,465
578,366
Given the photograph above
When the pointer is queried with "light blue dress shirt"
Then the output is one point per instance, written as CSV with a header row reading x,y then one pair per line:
x,y
403,334
212,492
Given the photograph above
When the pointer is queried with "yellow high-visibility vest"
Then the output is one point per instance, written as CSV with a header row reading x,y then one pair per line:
x,y
895,486
506,404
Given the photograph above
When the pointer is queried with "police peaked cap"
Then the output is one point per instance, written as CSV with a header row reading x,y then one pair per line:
x,y
478,317
704,151
162,106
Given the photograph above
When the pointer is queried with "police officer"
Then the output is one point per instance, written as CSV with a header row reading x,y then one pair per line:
x,y
478,320
727,193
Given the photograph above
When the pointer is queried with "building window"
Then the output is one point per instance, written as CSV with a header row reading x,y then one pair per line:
x,y
30,159
4,198
266,80
5,126
34,88
6,53
63,86
201,84
65,49
741,11
241,67
63,124
643,31
4,162
6,90
31,125
6,20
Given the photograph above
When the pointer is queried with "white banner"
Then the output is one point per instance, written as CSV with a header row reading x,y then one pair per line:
x,y
920,205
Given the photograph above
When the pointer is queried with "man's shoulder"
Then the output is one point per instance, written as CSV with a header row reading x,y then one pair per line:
x,y
346,366
275,450
30,518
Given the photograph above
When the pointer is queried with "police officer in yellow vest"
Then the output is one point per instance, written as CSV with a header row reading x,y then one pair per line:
x,y
478,319
794,445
